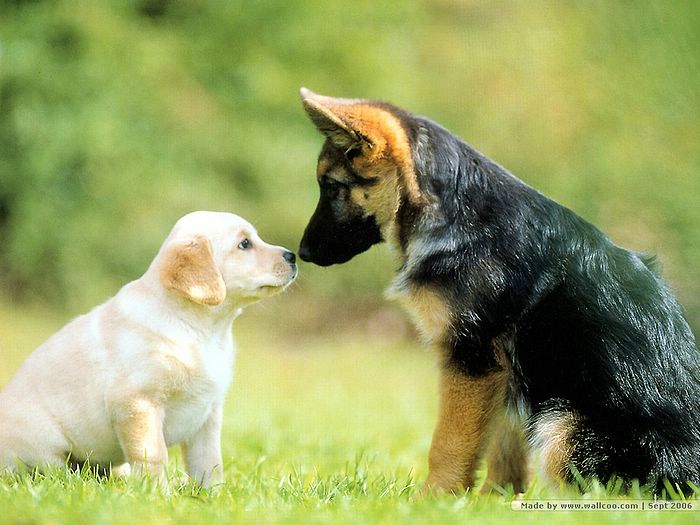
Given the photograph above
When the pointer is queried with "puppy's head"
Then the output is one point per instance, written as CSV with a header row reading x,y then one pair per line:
x,y
365,172
212,257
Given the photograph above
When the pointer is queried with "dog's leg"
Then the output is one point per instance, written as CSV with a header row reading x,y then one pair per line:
x,y
466,409
120,471
139,427
507,455
553,445
202,452
30,437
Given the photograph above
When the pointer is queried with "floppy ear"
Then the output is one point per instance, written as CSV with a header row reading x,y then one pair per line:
x,y
330,115
188,268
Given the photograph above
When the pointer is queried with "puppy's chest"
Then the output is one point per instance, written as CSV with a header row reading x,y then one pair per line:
x,y
430,312
196,366
183,417
196,381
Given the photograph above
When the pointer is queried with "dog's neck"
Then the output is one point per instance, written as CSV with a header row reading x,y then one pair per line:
x,y
206,318
407,254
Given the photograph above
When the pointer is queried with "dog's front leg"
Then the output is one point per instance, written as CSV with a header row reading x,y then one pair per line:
x,y
507,455
139,427
202,452
466,408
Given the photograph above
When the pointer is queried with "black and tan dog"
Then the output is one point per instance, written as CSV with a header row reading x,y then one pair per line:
x,y
554,343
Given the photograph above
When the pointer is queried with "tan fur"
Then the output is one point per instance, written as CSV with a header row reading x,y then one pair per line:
x,y
507,456
323,167
390,151
552,446
386,151
382,202
150,367
470,407
467,406
430,312
189,268
508,452
139,428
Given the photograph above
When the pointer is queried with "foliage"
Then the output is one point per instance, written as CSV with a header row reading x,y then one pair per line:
x,y
118,117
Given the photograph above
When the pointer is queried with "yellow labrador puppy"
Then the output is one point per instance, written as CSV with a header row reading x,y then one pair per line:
x,y
150,367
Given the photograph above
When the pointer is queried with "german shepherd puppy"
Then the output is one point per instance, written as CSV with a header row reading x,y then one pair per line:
x,y
554,343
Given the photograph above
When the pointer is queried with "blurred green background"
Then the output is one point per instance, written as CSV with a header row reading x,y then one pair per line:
x,y
118,117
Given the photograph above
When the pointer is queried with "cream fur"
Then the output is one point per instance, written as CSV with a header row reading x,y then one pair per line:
x,y
147,369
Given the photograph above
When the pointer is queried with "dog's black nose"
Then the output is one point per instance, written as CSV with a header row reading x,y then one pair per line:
x,y
289,257
304,253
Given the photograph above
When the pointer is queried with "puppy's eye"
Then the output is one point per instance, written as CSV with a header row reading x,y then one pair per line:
x,y
332,188
245,244
352,153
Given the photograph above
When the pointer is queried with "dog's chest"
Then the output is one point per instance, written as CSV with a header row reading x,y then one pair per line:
x,y
205,373
184,417
429,311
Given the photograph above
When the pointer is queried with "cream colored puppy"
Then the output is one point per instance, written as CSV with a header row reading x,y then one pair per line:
x,y
150,367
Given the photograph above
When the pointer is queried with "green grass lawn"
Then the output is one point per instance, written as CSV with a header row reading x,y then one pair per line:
x,y
325,429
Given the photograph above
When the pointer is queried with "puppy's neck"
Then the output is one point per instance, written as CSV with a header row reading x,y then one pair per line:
x,y
200,317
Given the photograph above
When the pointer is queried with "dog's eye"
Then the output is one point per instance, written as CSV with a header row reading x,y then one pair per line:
x,y
352,153
332,188
245,244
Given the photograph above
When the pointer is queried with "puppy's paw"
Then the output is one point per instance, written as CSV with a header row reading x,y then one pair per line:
x,y
120,471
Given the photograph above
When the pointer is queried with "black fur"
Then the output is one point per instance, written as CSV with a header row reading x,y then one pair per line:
x,y
591,327
338,229
588,328
339,240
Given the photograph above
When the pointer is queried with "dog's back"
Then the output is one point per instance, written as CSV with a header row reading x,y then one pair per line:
x,y
594,337
45,400
607,344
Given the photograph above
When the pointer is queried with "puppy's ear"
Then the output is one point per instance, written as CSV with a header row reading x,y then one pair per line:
x,y
332,118
188,268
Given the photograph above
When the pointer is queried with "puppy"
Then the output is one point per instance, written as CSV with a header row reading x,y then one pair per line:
x,y
150,367
553,342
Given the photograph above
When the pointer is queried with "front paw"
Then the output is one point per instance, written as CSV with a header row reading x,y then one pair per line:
x,y
154,472
438,485
207,478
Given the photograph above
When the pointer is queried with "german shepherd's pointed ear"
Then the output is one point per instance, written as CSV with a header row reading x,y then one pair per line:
x,y
330,116
188,268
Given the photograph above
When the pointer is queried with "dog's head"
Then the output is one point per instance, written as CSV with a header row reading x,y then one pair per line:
x,y
211,257
365,172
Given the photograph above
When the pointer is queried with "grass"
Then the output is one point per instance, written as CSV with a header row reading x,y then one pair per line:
x,y
324,429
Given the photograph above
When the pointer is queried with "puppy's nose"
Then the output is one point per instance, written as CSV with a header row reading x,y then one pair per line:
x,y
289,257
